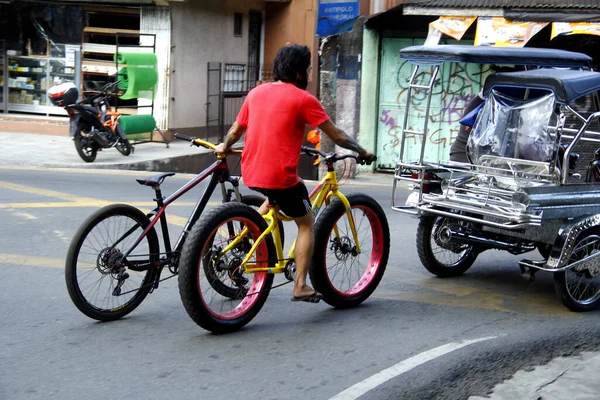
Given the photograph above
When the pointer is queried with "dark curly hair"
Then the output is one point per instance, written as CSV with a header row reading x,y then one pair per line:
x,y
289,61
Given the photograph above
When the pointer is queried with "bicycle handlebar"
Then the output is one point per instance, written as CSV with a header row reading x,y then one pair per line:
x,y
333,157
201,143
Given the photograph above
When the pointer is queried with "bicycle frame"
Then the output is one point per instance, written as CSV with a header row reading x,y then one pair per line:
x,y
220,174
327,188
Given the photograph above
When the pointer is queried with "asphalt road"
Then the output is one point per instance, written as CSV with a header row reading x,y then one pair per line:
x,y
437,338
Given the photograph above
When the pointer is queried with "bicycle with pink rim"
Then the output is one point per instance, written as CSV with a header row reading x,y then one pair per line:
x,y
228,264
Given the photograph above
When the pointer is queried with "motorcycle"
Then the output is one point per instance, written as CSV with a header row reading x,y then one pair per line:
x,y
95,126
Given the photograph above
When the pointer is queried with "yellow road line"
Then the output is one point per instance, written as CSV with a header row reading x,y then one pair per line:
x,y
31,261
82,201
48,193
92,171
98,203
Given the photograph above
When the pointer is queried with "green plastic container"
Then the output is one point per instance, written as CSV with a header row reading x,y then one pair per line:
x,y
137,124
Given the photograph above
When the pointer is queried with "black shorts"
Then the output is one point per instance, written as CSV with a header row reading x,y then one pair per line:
x,y
293,201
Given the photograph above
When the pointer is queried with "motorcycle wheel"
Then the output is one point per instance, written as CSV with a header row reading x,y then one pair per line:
x,y
438,255
123,145
86,150
580,290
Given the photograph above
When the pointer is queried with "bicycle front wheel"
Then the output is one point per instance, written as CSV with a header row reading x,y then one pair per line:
x,y
344,275
216,293
102,283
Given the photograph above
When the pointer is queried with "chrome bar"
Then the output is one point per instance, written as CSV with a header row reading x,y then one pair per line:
x,y
413,132
472,208
590,258
565,171
509,225
406,210
419,86
427,110
407,111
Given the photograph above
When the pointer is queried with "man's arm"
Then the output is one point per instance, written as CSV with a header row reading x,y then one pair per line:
x,y
235,133
340,138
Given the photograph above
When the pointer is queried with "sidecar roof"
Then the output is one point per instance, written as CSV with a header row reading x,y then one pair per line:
x,y
495,55
567,85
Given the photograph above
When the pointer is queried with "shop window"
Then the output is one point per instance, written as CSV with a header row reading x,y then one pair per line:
x,y
238,19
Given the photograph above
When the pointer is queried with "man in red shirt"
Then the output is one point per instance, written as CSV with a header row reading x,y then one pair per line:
x,y
274,117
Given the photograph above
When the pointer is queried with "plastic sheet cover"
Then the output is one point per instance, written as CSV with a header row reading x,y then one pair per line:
x,y
509,128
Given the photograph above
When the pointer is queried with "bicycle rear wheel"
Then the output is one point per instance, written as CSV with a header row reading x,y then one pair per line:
x,y
101,282
344,276
215,292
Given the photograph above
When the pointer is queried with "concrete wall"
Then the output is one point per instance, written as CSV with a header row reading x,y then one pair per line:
x,y
202,32
292,22
369,89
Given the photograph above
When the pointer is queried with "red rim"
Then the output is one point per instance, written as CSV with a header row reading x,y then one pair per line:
x,y
257,281
374,260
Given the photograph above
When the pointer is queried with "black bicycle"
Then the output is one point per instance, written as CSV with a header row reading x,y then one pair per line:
x,y
115,260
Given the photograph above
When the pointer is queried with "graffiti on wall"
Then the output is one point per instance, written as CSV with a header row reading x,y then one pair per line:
x,y
455,85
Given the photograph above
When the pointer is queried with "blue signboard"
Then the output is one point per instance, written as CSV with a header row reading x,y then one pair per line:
x,y
336,16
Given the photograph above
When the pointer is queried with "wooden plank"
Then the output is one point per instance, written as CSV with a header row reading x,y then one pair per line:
x,y
112,10
109,31
111,49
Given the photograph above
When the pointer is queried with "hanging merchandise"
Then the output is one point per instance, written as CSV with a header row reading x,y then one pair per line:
x,y
454,27
499,32
575,28
139,76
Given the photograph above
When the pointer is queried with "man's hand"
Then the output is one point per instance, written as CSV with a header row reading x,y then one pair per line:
x,y
340,138
221,149
235,133
366,158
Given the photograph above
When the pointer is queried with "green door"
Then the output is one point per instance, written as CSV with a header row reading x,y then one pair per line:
x,y
455,85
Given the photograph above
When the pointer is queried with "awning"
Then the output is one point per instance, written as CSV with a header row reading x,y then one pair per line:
x,y
389,18
552,15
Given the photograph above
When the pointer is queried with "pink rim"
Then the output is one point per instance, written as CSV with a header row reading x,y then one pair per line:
x,y
258,279
374,261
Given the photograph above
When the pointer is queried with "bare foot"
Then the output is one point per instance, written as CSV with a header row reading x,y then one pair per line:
x,y
307,294
304,291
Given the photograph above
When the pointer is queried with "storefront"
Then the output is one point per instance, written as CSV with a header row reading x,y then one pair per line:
x,y
385,76
39,48
44,44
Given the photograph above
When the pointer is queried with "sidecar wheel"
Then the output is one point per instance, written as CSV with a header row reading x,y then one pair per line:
x,y
579,290
438,256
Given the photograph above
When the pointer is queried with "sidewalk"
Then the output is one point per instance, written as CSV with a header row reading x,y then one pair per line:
x,y
36,150
572,378
51,151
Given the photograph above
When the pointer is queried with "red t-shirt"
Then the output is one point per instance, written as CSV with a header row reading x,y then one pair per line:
x,y
275,117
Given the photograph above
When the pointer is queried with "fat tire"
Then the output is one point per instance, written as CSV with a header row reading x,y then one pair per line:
x,y
191,261
79,147
73,252
428,259
323,227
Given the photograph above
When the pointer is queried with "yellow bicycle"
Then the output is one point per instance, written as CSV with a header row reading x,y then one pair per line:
x,y
228,263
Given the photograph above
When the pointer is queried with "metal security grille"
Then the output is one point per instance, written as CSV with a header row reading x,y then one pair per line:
x,y
228,85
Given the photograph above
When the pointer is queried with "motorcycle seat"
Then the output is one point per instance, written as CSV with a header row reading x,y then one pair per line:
x,y
155,180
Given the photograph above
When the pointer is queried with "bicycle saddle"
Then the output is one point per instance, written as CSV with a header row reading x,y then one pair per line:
x,y
155,180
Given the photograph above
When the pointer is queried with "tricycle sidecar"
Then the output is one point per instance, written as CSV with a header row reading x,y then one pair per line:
x,y
523,188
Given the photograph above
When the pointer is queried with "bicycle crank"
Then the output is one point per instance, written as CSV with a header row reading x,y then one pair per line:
x,y
290,271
